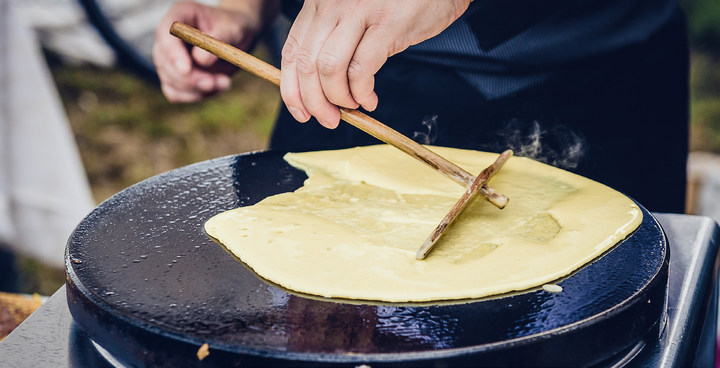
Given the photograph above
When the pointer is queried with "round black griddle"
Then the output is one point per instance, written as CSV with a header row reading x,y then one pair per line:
x,y
147,284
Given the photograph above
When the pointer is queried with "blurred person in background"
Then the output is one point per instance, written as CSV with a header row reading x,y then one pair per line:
x,y
43,189
598,87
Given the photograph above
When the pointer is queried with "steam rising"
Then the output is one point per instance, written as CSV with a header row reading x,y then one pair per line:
x,y
535,144
555,145
430,124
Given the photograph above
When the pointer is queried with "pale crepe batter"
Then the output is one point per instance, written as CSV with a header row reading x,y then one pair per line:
x,y
353,229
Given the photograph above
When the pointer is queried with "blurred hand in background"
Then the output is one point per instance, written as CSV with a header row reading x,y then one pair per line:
x,y
189,76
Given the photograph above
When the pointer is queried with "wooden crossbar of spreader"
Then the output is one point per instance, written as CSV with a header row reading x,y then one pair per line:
x,y
462,204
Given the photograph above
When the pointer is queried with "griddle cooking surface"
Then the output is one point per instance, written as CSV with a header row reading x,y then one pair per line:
x,y
148,285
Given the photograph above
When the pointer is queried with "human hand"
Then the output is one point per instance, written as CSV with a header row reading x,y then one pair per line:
x,y
188,76
335,47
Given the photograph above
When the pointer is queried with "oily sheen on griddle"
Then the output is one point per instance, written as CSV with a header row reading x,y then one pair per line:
x,y
353,229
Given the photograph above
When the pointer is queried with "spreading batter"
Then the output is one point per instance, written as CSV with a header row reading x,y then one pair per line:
x,y
353,229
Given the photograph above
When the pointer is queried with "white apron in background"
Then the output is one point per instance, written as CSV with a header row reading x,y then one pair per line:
x,y
43,188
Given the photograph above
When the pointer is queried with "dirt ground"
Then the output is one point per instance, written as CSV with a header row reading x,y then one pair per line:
x,y
126,130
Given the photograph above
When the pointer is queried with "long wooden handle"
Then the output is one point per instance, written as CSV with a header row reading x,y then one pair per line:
x,y
354,117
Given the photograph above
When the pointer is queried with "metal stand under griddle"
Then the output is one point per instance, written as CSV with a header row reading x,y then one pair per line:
x,y
50,338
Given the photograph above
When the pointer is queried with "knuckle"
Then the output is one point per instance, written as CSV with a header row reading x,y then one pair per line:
x,y
329,64
380,15
289,50
356,70
306,63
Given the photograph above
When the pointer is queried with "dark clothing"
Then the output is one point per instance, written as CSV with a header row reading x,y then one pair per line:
x,y
619,117
501,47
